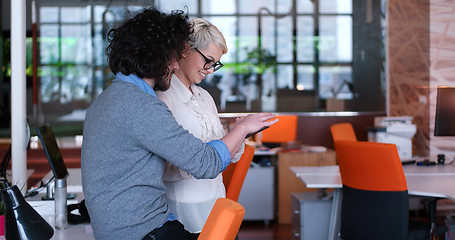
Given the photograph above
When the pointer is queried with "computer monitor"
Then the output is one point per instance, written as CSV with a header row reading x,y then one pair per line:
x,y
52,152
444,124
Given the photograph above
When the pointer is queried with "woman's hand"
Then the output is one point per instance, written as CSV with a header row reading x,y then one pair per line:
x,y
255,122
244,126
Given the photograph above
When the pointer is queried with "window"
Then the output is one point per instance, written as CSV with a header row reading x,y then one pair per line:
x,y
306,48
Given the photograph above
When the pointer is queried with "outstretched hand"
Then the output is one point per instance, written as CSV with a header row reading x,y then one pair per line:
x,y
244,126
255,122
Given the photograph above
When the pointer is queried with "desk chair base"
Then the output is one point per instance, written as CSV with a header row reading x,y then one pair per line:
x,y
419,230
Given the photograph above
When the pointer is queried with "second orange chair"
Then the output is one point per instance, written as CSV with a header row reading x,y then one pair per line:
x,y
235,173
343,131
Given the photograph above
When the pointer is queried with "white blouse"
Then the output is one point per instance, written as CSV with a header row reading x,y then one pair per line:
x,y
191,199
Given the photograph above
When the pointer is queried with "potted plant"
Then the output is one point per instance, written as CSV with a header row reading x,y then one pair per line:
x,y
257,62
2,218
260,60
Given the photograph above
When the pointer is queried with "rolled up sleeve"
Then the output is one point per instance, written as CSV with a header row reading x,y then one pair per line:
x,y
223,152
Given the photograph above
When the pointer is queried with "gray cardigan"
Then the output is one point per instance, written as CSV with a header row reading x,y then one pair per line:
x,y
128,134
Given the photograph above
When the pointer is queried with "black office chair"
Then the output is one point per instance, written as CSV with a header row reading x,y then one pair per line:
x,y
375,203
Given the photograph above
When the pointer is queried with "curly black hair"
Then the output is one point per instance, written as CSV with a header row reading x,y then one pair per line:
x,y
146,44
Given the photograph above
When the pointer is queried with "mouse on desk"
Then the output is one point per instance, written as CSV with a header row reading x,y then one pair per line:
x,y
426,162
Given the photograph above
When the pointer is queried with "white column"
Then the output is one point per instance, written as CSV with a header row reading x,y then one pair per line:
x,y
18,96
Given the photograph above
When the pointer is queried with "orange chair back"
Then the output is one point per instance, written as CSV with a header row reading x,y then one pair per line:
x,y
343,131
235,173
285,130
370,166
224,221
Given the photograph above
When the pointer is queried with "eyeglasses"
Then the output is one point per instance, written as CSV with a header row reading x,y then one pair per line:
x,y
209,63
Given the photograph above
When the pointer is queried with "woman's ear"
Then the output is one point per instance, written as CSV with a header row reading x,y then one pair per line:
x,y
186,51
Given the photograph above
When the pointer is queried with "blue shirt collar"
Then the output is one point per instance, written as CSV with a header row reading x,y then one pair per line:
x,y
144,86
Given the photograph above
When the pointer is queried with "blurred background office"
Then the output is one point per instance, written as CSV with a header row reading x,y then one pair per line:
x,y
284,55
326,61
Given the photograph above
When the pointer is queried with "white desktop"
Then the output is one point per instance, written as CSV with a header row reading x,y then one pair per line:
x,y
426,181
46,208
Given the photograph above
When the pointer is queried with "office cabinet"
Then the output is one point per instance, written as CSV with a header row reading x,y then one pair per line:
x,y
288,182
257,195
310,216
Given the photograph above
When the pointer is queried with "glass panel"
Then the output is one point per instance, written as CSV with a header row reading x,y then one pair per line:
x,y
64,91
74,85
98,82
284,6
305,77
99,46
131,10
284,41
268,33
285,77
98,13
48,14
169,5
234,87
76,44
305,42
49,79
75,14
217,7
253,7
305,6
268,95
335,38
332,82
268,83
247,36
49,44
335,6
115,14
227,26
75,82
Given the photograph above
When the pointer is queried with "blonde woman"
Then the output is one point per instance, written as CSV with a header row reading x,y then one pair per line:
x,y
191,199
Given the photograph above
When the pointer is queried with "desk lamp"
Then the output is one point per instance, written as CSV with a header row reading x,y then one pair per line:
x,y
21,220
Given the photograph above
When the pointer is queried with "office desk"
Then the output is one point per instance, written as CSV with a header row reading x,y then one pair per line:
x,y
430,181
288,182
46,208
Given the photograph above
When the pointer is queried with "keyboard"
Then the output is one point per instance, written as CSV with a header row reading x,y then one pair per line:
x,y
408,162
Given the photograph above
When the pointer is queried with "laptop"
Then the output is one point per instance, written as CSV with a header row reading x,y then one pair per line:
x,y
52,151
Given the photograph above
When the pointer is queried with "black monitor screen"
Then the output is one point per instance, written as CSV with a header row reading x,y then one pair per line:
x,y
445,112
52,152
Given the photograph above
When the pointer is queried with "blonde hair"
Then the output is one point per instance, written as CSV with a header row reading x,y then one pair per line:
x,y
204,33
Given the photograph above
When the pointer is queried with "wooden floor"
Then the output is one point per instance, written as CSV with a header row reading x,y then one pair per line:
x,y
258,230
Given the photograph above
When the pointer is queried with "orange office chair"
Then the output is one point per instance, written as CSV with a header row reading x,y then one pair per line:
x,y
285,130
224,221
343,131
375,203
235,173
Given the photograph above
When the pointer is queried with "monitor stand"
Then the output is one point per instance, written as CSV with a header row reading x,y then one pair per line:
x,y
50,193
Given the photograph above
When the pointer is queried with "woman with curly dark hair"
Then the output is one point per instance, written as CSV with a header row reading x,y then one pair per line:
x,y
129,134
